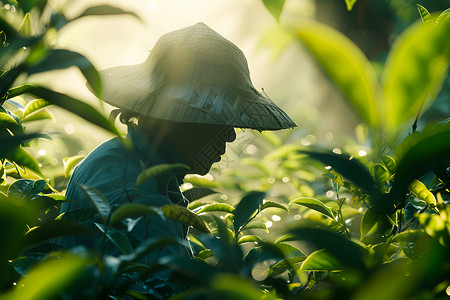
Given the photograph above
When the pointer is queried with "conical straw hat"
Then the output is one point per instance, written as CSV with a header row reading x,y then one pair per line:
x,y
193,75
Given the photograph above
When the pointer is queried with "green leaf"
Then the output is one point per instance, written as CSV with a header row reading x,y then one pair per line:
x,y
421,192
201,182
381,175
8,122
24,159
413,242
134,210
314,204
25,26
247,208
255,225
13,220
56,59
185,216
53,229
321,260
68,103
268,204
156,171
38,116
26,188
373,223
70,163
346,65
197,203
444,16
415,69
117,238
34,106
7,80
147,246
9,30
10,143
390,164
348,253
98,200
215,207
275,7
249,239
106,10
230,286
351,169
368,221
350,4
49,278
424,14
429,152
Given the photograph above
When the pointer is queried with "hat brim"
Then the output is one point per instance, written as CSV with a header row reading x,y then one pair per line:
x,y
130,88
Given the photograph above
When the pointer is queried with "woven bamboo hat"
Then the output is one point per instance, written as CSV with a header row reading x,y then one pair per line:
x,y
193,75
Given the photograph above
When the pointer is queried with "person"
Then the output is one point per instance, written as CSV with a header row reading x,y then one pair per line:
x,y
181,105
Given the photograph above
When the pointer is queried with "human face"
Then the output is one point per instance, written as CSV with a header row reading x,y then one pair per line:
x,y
200,145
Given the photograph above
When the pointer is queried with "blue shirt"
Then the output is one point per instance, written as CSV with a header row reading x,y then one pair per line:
x,y
112,169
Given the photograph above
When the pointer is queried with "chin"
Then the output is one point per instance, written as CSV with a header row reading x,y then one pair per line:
x,y
200,170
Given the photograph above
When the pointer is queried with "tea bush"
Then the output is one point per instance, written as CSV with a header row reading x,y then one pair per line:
x,y
385,234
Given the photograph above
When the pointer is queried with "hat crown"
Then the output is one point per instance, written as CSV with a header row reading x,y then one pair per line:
x,y
200,56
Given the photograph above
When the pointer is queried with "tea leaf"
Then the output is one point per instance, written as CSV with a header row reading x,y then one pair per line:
x,y
314,204
246,208
98,200
321,260
275,7
347,66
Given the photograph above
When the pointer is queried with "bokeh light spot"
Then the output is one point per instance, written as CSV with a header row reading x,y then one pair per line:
x,y
362,153
276,218
69,128
250,149
260,271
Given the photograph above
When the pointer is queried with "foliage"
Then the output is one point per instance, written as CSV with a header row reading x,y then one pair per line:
x,y
385,235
